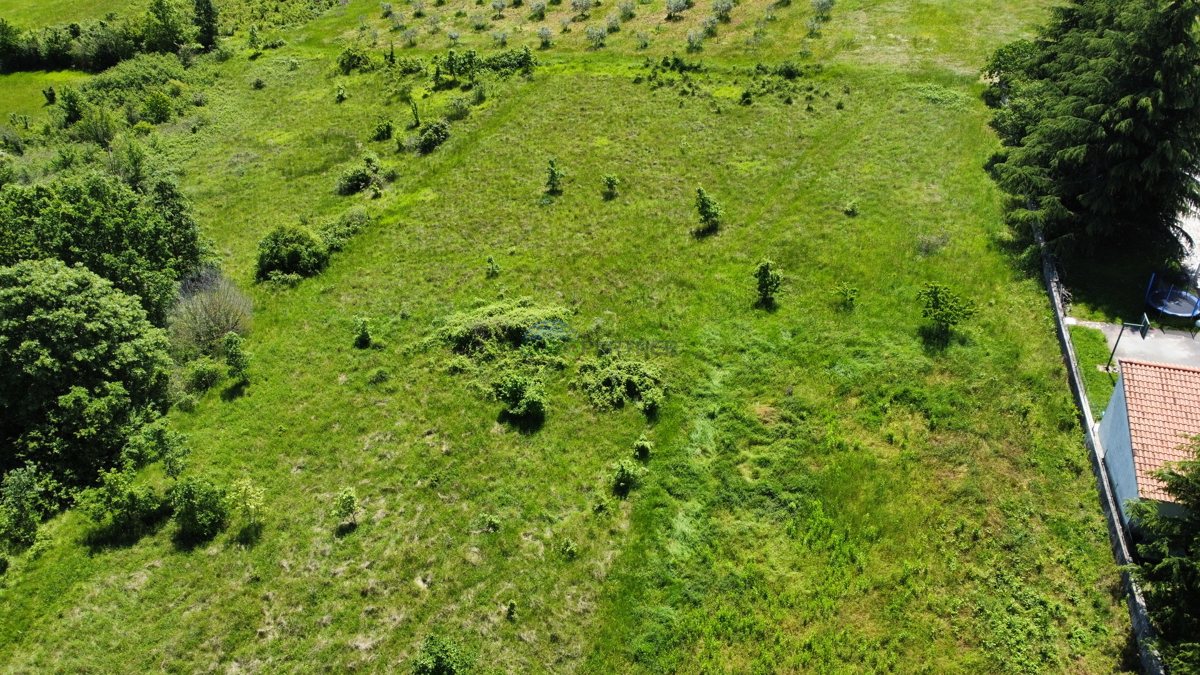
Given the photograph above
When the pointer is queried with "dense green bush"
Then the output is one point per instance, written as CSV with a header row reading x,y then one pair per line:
x,y
610,382
433,135
440,656
291,249
642,448
200,507
504,323
610,185
22,503
522,394
337,233
81,368
237,360
362,333
157,108
200,375
354,57
626,477
120,503
142,243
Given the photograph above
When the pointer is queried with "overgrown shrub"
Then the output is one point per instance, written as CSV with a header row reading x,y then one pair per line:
x,y
822,8
544,34
610,382
433,135
521,394
675,8
504,323
84,369
354,57
458,107
581,7
440,656
567,548
22,503
379,376
157,108
336,233
291,249
247,499
359,177
709,26
625,9
537,10
383,130
695,40
200,507
362,333
642,448
722,8
610,185
209,306
626,477
121,503
612,24
200,375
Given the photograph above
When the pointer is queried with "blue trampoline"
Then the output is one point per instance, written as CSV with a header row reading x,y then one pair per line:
x,y
1172,300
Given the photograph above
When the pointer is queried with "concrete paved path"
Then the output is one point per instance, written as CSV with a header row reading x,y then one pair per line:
x,y
1160,346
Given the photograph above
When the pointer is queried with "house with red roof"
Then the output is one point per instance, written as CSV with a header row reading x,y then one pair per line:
x,y
1153,412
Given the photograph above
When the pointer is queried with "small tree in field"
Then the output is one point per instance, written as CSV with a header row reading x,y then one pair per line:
x,y
247,499
236,358
610,185
554,177
943,308
345,506
768,281
709,211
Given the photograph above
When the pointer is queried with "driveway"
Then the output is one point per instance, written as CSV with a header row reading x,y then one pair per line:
x,y
1160,346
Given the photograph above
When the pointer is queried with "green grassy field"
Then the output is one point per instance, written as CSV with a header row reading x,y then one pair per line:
x,y
829,492
37,13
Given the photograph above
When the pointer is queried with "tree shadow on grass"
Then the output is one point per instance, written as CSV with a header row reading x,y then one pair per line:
x,y
113,535
705,231
935,339
188,541
233,392
768,305
345,529
1113,279
249,534
524,424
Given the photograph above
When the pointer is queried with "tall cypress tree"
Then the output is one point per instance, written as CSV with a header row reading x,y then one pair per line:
x,y
206,20
1100,116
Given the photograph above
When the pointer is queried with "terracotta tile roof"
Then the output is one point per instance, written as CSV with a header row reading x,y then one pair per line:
x,y
1164,406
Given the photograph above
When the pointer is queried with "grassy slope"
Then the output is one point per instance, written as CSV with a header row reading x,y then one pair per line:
x,y
37,13
960,531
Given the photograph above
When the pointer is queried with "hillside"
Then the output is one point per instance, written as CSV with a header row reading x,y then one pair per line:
x,y
830,490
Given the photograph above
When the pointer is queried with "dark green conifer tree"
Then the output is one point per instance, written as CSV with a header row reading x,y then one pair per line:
x,y
1100,116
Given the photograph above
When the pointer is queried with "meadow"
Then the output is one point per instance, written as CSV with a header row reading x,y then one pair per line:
x,y
829,491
